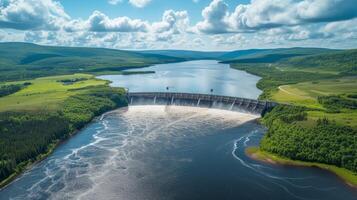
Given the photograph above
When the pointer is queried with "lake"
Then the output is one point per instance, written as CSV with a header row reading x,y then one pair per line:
x,y
171,152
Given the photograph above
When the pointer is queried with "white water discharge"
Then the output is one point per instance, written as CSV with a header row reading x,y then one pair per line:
x,y
147,126
115,164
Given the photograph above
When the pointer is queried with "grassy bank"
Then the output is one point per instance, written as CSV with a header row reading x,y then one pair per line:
x,y
319,125
35,119
256,153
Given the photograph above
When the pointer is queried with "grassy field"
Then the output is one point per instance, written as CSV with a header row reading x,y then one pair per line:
x,y
306,94
47,92
348,176
311,90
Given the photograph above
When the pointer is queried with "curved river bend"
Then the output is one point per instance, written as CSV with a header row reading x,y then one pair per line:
x,y
164,153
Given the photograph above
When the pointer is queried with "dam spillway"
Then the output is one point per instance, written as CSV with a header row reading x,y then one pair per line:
x,y
237,104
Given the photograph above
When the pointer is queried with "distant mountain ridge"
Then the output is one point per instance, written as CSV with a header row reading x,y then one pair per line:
x,y
187,54
248,55
27,60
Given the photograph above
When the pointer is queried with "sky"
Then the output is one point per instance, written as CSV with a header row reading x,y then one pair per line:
x,y
207,25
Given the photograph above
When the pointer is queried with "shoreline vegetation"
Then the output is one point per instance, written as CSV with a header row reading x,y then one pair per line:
x,y
255,153
316,124
38,118
27,165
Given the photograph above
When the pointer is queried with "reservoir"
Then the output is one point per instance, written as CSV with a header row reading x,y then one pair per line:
x,y
173,152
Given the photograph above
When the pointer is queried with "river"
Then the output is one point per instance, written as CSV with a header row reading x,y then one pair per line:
x,y
164,153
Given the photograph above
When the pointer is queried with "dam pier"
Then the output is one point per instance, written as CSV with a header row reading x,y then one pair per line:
x,y
237,104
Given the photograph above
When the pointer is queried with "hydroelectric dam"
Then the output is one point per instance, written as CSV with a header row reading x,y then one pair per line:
x,y
238,104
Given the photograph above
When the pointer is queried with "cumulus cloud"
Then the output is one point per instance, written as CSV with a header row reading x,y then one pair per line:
x,y
172,23
345,29
139,3
271,23
50,15
215,18
171,20
99,22
326,10
31,14
262,14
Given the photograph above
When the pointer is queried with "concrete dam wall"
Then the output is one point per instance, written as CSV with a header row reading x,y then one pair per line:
x,y
237,104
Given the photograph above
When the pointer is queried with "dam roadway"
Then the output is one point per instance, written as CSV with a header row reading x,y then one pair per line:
x,y
237,104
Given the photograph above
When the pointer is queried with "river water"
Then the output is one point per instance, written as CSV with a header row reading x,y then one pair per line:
x,y
164,153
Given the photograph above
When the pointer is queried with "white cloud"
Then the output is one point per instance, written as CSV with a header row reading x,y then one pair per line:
x,y
139,3
171,20
263,14
343,29
32,14
99,22
215,18
260,23
326,10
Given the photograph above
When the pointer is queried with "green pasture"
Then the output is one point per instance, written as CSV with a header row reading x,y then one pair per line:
x,y
47,92
306,93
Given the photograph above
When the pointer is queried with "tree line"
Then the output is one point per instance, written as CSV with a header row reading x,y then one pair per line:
x,y
325,142
6,90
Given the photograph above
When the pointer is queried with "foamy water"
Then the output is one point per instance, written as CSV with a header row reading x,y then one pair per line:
x,y
118,148
166,152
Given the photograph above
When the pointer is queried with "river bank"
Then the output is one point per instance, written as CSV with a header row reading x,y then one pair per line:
x,y
27,165
349,177
75,107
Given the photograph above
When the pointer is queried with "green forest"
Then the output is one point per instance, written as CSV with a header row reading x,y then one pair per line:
x,y
316,120
26,136
326,142
11,88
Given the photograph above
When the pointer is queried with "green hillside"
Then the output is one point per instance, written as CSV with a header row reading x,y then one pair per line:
x,y
241,53
275,55
317,121
342,62
190,55
243,56
25,61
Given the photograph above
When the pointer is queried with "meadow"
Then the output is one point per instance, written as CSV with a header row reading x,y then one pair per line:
x,y
307,93
46,92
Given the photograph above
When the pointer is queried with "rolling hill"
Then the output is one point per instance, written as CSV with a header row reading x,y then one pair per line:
x,y
24,60
190,55
273,55
341,62
244,56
